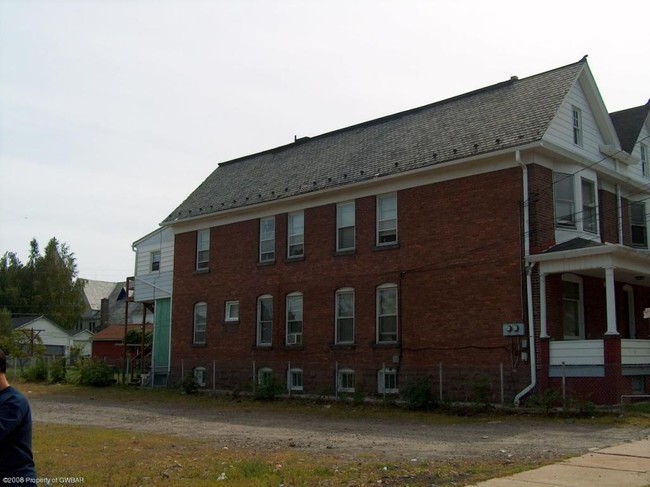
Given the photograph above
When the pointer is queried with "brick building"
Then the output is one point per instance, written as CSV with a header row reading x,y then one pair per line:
x,y
498,237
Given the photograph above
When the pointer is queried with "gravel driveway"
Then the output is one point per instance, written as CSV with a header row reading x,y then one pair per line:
x,y
404,438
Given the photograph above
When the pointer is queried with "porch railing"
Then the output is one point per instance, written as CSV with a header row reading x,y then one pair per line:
x,y
577,352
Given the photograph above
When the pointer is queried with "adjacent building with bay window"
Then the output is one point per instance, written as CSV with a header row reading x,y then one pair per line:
x,y
502,232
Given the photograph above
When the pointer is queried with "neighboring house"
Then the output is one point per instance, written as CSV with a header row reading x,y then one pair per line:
x,y
105,304
152,286
56,340
503,229
108,344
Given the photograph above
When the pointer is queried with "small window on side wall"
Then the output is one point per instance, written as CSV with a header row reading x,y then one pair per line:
x,y
387,381
232,311
577,126
155,260
294,380
199,376
386,219
202,249
200,323
638,224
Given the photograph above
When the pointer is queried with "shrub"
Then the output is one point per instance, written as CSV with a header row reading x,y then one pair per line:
x,y
58,371
37,372
269,390
96,373
547,400
480,391
189,385
418,395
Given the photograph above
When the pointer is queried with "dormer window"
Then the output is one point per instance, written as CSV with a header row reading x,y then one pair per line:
x,y
644,160
577,126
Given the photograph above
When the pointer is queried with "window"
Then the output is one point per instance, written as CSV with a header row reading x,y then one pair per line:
x,y
296,234
155,261
387,381
200,321
232,311
294,319
265,376
267,239
294,379
644,160
564,196
572,307
344,316
589,212
577,126
345,380
387,313
387,219
638,224
264,320
199,376
202,249
345,226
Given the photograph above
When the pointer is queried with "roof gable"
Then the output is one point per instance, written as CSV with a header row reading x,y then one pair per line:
x,y
502,116
629,123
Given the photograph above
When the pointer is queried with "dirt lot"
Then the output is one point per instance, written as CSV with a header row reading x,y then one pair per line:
x,y
400,437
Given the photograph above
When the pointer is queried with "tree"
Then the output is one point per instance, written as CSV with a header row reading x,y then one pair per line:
x,y
47,285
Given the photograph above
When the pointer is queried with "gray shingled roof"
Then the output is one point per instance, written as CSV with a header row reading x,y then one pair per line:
x,y
628,124
501,116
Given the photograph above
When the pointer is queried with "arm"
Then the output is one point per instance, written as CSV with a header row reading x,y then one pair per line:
x,y
11,415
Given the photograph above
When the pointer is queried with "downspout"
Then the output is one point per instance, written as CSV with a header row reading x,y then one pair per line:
x,y
529,284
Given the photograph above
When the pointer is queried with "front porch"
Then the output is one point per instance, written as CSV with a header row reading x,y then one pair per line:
x,y
592,332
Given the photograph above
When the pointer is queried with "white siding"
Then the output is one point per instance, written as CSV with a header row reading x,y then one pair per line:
x,y
577,352
150,285
636,152
560,131
635,352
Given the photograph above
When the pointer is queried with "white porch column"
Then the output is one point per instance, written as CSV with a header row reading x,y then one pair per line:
x,y
543,332
612,329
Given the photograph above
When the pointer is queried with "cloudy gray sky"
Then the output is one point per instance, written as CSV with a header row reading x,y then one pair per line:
x,y
113,111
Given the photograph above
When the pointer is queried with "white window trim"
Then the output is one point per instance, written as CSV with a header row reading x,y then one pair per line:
x,y
262,373
153,260
339,225
295,338
202,264
381,381
258,333
628,291
264,256
301,243
230,305
199,375
559,176
291,386
581,307
584,207
644,225
644,160
339,380
195,323
577,126
378,316
378,219
337,317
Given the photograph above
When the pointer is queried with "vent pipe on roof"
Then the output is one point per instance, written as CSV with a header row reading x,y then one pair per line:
x,y
514,78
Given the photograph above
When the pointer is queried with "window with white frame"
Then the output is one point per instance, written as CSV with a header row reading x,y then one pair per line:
x,y
344,316
577,126
345,380
644,160
387,219
387,313
589,207
199,376
638,224
155,260
294,379
572,307
294,319
200,323
267,239
296,234
265,376
345,223
202,249
387,381
232,311
564,198
265,321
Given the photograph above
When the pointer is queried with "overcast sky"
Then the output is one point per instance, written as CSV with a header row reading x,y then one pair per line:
x,y
113,111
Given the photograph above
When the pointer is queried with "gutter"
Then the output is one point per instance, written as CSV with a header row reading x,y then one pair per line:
x,y
529,284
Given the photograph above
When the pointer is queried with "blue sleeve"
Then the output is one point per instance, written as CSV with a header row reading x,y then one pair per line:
x,y
11,415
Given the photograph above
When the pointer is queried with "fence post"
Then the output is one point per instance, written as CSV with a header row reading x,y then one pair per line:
x,y
214,375
336,380
254,379
564,386
502,386
383,378
440,379
182,369
289,378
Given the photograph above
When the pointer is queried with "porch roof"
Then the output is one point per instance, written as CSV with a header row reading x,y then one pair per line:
x,y
630,265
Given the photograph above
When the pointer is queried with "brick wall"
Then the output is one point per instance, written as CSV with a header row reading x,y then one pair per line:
x,y
458,268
